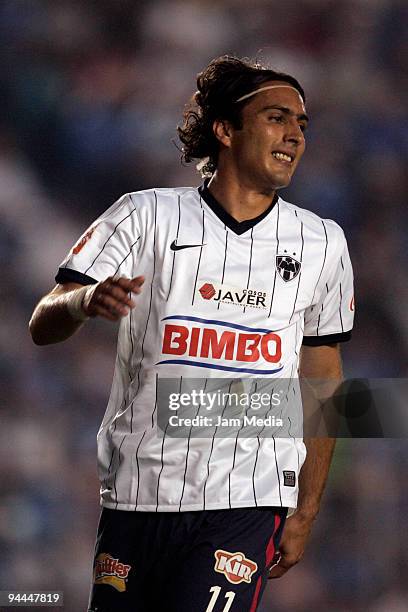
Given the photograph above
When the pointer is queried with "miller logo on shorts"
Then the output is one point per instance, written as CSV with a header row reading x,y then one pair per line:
x,y
83,240
111,571
234,296
288,267
235,566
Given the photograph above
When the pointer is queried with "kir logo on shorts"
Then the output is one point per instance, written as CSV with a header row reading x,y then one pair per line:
x,y
111,571
235,566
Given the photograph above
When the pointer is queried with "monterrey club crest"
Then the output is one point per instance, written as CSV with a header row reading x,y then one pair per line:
x,y
288,267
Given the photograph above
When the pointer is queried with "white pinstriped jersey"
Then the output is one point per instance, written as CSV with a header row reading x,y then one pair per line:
x,y
221,299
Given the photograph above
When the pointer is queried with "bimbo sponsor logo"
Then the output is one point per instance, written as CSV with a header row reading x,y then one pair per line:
x,y
109,570
220,345
235,566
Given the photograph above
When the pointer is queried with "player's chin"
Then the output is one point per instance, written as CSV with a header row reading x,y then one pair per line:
x,y
281,180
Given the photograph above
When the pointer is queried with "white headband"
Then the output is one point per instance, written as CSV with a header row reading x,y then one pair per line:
x,y
252,93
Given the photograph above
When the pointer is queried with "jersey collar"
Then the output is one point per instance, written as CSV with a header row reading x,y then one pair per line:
x,y
238,227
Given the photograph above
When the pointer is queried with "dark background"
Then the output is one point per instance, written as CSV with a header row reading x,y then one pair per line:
x,y
91,93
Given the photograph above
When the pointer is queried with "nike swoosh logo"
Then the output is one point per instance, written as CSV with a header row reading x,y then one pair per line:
x,y
178,247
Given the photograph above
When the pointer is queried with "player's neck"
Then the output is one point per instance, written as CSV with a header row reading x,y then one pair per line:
x,y
241,201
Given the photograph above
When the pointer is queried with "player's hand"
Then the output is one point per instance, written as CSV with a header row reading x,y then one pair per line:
x,y
292,545
110,298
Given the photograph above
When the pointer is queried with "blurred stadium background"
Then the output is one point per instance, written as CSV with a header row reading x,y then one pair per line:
x,y
91,93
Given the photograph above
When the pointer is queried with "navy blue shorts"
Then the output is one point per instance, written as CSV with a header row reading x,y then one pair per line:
x,y
202,561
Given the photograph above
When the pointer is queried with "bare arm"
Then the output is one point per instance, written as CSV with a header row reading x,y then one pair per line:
x,y
52,322
322,362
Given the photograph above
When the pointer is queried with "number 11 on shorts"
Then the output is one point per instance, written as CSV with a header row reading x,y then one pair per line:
x,y
216,590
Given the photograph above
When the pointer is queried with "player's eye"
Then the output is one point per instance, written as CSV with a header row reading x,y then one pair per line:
x,y
277,118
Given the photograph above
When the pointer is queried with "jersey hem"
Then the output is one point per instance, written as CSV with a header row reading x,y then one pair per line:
x,y
290,503
327,339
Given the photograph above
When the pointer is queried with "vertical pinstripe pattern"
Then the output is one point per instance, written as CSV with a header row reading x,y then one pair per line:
x,y
116,471
341,297
254,470
129,370
108,239
150,302
188,450
293,438
235,454
324,260
155,397
132,352
169,473
199,259
126,256
250,260
256,459
341,300
277,471
276,253
138,469
162,455
161,468
296,339
321,310
116,205
225,259
108,472
211,450
300,272
290,382
131,374
174,252
259,445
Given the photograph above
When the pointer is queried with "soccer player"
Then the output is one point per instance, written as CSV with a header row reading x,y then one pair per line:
x,y
227,280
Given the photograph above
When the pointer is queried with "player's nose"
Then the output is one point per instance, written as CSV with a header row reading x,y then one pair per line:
x,y
293,133
293,138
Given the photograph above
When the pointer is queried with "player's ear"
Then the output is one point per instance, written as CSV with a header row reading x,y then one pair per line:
x,y
223,131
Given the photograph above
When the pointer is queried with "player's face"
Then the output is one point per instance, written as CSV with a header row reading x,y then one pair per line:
x,y
271,142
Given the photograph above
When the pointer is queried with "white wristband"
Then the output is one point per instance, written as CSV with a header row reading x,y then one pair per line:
x,y
75,300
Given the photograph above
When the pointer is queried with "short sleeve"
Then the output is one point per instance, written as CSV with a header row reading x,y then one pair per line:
x,y
106,248
330,320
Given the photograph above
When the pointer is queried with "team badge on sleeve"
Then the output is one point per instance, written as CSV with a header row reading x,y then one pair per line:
x,y
288,267
83,240
235,566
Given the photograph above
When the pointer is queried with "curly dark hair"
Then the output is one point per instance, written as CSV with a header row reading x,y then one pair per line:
x,y
219,85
